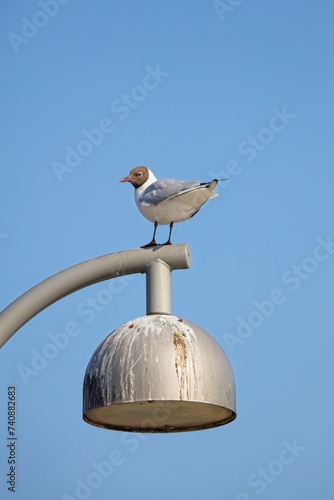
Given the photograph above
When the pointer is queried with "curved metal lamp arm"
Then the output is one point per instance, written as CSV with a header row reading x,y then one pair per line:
x,y
93,271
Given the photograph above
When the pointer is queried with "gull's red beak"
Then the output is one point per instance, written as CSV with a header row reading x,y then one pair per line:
x,y
125,179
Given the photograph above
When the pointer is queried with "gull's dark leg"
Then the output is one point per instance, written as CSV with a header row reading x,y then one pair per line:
x,y
153,242
168,242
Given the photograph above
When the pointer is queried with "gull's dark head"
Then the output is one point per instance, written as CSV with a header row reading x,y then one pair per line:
x,y
137,177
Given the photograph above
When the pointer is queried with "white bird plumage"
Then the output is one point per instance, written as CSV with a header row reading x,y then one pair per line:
x,y
168,201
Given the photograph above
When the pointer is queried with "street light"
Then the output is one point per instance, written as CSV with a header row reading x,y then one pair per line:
x,y
156,373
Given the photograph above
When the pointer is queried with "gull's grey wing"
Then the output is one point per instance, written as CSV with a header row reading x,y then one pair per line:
x,y
165,188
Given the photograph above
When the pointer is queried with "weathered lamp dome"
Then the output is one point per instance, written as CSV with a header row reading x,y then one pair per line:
x,y
159,373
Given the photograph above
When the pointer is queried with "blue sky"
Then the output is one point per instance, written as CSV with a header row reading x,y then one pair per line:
x,y
193,90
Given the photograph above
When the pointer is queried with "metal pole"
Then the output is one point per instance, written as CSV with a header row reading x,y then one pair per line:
x,y
84,274
158,288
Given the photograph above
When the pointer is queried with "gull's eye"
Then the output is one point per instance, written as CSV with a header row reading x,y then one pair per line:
x,y
139,174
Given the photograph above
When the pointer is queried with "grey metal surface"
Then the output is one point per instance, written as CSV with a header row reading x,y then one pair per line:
x,y
158,288
159,373
84,274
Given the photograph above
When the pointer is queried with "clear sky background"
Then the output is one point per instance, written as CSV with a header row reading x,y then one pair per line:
x,y
192,91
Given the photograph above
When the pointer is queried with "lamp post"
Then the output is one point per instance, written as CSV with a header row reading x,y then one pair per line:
x,y
156,373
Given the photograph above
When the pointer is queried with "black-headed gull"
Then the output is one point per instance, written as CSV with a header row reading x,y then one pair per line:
x,y
168,201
